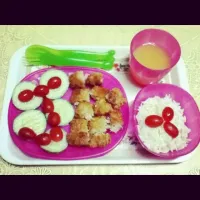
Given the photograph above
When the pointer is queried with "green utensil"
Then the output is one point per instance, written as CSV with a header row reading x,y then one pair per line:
x,y
41,55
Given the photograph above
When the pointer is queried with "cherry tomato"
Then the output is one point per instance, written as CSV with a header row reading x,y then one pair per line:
x,y
41,91
53,119
153,121
26,133
167,114
25,95
171,129
54,82
43,139
56,134
47,105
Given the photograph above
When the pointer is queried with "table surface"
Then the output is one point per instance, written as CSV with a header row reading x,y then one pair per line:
x,y
14,37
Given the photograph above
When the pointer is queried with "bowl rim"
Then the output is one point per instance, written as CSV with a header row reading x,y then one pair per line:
x,y
158,30
136,132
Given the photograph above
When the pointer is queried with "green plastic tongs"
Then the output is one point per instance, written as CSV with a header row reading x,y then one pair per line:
x,y
41,55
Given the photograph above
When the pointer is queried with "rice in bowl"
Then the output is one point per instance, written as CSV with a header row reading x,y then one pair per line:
x,y
156,139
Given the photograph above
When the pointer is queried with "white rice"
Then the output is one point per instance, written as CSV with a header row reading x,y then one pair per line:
x,y
156,139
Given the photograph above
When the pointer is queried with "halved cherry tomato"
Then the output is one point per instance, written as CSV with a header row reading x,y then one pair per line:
x,y
53,119
41,91
47,105
25,95
56,134
43,139
167,114
171,129
153,121
54,82
26,133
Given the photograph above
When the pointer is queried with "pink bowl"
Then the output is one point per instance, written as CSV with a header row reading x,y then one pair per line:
x,y
143,75
186,101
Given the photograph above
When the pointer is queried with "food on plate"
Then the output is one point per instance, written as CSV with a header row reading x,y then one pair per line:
x,y
23,97
80,95
53,119
99,92
100,140
57,82
95,78
43,139
77,80
56,146
47,105
41,91
98,125
116,121
84,110
115,97
101,107
78,138
26,133
65,110
32,119
169,136
79,125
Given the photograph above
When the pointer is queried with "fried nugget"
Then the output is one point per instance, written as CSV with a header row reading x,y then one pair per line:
x,y
77,80
100,140
78,139
116,98
84,110
95,79
116,121
98,92
79,125
80,95
98,125
101,107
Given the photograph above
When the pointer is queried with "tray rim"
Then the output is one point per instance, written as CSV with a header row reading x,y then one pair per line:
x,y
183,83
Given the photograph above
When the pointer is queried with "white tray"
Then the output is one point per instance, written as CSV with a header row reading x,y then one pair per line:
x,y
124,153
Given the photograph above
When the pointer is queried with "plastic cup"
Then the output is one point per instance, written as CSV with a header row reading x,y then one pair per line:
x,y
143,75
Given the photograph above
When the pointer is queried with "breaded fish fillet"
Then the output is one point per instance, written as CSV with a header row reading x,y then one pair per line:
x,y
95,79
98,92
116,98
84,110
80,95
101,107
100,140
98,125
77,80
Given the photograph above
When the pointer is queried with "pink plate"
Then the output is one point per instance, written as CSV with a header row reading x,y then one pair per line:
x,y
71,152
186,101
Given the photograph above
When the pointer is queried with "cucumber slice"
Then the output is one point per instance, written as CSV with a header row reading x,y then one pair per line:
x,y
65,110
30,105
56,147
33,119
58,92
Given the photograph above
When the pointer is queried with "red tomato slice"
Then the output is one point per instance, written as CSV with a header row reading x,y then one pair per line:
x,y
41,91
25,95
43,139
153,121
56,134
47,105
26,133
54,82
53,119
171,129
168,114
